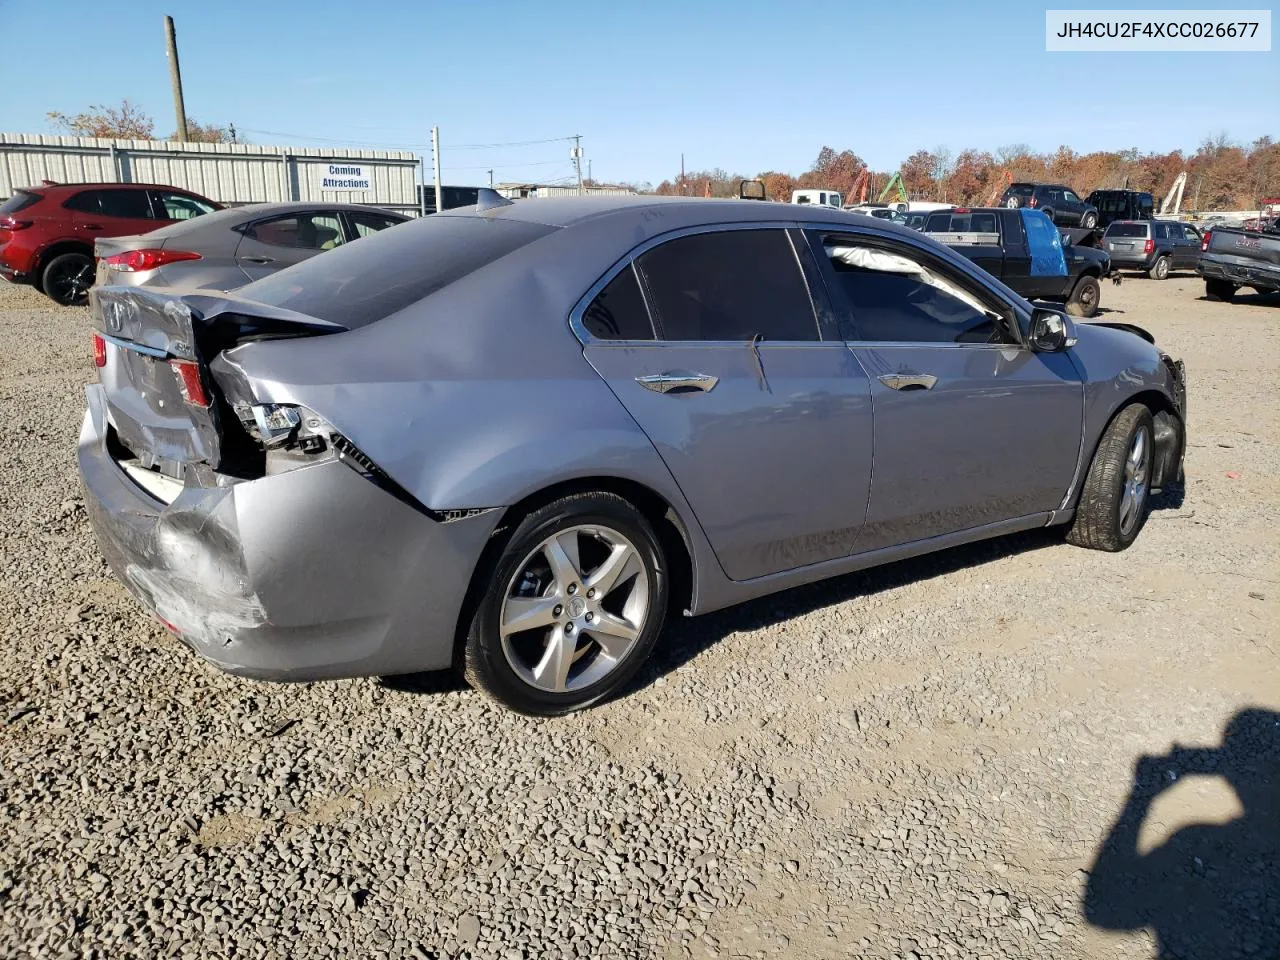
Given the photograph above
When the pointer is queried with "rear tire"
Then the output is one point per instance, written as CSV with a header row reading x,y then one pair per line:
x,y
1089,220
1013,203
590,633
1223,290
1049,213
1083,301
67,278
1116,493
1160,269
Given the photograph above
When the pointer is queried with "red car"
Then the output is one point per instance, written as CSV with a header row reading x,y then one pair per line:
x,y
47,232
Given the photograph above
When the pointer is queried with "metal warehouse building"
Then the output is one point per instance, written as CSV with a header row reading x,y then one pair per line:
x,y
230,173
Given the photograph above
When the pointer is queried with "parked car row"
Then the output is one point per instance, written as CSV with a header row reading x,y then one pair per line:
x,y
62,238
345,468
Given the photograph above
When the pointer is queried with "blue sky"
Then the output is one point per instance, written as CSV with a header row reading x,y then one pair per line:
x,y
746,85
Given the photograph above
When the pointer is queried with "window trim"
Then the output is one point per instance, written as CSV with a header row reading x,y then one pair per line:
x,y
967,272
629,259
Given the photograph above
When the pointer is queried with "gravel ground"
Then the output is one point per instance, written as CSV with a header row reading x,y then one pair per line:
x,y
920,761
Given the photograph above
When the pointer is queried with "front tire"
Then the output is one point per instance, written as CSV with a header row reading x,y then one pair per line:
x,y
571,607
1089,220
67,279
1114,499
1083,301
1160,269
1223,290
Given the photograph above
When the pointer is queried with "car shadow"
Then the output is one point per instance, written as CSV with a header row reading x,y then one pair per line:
x,y
1209,890
685,638
1255,299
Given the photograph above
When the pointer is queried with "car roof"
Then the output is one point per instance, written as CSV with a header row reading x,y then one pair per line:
x,y
678,211
104,185
256,210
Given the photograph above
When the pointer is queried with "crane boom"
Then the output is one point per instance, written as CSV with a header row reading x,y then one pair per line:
x,y
894,182
1170,200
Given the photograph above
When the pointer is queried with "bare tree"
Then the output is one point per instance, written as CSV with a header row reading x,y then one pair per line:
x,y
126,121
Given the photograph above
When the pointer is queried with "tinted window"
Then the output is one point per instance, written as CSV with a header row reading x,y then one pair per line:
x,y
1159,231
618,312
179,206
19,201
938,223
86,202
1146,207
363,282
1116,203
367,223
1020,190
310,231
1127,230
962,223
730,285
896,298
125,203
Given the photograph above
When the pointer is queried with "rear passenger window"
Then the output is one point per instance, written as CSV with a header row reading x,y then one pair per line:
x,y
310,231
1159,231
132,204
894,297
86,202
729,285
618,311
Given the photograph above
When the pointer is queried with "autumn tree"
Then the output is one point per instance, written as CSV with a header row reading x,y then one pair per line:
x,y
205,133
917,173
968,181
126,122
777,186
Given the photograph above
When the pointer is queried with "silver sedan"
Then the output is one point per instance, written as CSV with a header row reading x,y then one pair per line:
x,y
512,437
229,248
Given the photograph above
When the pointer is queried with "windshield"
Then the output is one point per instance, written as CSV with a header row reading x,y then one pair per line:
x,y
359,283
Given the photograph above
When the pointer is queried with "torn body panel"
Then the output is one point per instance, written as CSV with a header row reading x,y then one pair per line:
x,y
305,575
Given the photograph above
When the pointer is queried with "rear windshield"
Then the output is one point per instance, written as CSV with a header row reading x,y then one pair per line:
x,y
359,283
1127,230
20,200
1021,189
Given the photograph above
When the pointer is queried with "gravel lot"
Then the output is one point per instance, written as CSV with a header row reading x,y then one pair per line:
x,y
921,761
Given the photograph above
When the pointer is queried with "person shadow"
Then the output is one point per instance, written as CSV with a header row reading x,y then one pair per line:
x,y
1210,890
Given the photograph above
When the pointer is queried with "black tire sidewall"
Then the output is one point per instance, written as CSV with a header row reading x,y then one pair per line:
x,y
1089,226
45,274
485,661
1076,306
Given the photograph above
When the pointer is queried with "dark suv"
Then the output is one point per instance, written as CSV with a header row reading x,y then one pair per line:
x,y
1113,205
47,232
1156,246
1061,203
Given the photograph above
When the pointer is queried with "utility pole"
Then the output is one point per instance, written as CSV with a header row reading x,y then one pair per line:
x,y
435,153
490,179
589,177
231,128
175,78
682,174
577,158
422,188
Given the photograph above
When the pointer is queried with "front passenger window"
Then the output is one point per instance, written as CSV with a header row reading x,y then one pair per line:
x,y
895,297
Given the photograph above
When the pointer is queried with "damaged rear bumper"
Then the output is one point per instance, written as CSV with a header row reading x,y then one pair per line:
x,y
311,574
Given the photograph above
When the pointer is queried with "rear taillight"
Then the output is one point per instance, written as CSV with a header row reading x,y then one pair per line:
x,y
1032,201
99,351
1149,247
190,382
13,223
135,261
1204,241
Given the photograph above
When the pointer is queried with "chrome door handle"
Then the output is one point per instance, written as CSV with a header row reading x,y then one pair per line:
x,y
908,381
673,380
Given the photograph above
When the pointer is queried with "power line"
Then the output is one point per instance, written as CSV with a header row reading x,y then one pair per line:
x,y
494,165
511,143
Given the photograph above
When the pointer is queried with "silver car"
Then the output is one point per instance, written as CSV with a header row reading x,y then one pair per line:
x,y
227,249
512,438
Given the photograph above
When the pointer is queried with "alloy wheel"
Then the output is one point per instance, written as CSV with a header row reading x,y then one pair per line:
x,y
70,282
1134,493
575,608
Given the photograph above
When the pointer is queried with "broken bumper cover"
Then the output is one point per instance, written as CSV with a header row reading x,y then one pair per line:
x,y
312,574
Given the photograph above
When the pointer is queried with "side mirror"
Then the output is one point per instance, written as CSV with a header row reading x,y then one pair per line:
x,y
1051,331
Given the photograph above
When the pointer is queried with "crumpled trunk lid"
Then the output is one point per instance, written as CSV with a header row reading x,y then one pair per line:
x,y
148,335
